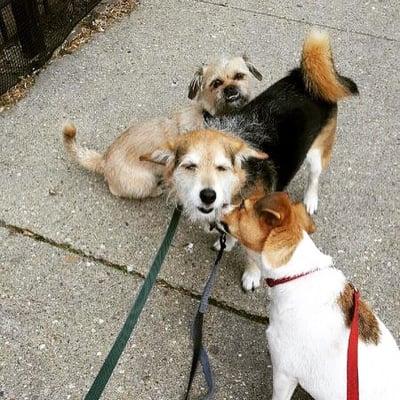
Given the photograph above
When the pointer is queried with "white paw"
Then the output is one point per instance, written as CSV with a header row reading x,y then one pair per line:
x,y
229,244
311,202
251,279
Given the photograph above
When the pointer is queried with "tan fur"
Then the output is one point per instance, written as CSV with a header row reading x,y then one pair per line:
x,y
208,143
318,68
271,225
89,159
125,174
369,330
326,140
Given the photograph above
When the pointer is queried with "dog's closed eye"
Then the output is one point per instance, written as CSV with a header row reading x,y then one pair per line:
x,y
222,168
189,167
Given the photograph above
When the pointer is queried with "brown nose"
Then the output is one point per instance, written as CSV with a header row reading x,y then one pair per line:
x,y
208,196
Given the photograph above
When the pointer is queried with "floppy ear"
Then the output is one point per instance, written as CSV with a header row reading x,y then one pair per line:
x,y
163,156
196,83
256,73
304,218
246,152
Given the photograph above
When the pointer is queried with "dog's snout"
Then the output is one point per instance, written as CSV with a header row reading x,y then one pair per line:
x,y
231,92
208,196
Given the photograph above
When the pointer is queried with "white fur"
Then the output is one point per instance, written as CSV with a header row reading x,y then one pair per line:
x,y
313,160
188,186
308,338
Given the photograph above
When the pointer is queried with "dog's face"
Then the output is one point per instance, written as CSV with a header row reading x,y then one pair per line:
x,y
223,86
270,224
204,169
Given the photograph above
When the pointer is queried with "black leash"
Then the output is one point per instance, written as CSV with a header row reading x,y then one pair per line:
x,y
119,345
199,352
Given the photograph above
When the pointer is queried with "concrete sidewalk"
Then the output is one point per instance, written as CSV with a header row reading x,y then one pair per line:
x,y
65,291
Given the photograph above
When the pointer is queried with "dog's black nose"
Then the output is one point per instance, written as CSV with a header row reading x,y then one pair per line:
x,y
208,196
231,92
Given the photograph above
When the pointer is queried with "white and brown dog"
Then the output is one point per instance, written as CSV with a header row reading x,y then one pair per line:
x,y
311,307
218,88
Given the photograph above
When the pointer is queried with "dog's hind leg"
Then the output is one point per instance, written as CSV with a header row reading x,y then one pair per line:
x,y
317,159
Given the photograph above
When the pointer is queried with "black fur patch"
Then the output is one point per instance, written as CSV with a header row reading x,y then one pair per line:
x,y
283,121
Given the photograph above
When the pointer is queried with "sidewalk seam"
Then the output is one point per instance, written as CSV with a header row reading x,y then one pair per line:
x,y
123,268
389,39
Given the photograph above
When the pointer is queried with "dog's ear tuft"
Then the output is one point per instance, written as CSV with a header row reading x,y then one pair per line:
x,y
305,220
246,152
161,156
196,83
252,68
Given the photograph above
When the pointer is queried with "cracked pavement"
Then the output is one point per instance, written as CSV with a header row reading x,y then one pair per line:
x,y
67,243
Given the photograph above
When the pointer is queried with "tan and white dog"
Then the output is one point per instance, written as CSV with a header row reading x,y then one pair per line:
x,y
218,88
311,307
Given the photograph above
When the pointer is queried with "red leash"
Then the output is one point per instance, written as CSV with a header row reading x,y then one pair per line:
x,y
352,352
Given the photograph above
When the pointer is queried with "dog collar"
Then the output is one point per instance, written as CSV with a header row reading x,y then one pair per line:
x,y
275,282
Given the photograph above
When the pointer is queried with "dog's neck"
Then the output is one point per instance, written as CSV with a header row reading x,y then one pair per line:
x,y
306,258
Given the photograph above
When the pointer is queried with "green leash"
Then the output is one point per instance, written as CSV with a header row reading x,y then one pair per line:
x,y
119,345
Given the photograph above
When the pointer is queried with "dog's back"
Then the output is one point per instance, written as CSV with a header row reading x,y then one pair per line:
x,y
285,119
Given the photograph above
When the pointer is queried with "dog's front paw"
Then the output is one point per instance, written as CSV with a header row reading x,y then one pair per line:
x,y
251,279
311,202
229,244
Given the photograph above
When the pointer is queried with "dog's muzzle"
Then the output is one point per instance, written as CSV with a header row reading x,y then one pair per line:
x,y
231,94
207,197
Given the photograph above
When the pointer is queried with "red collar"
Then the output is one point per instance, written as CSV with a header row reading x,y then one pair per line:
x,y
275,282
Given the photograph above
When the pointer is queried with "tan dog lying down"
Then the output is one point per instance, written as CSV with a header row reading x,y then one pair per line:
x,y
218,88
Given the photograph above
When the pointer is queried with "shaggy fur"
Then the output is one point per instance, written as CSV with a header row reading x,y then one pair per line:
x,y
295,115
218,88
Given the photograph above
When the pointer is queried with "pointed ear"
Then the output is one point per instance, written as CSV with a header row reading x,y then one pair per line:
x,y
196,83
256,73
273,208
304,218
163,156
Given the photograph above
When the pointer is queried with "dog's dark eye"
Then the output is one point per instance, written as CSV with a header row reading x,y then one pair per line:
x,y
216,83
221,168
239,76
190,167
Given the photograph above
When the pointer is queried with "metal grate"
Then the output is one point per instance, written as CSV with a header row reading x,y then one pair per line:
x,y
30,31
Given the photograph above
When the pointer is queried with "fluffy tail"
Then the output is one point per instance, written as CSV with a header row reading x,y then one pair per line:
x,y
89,159
319,73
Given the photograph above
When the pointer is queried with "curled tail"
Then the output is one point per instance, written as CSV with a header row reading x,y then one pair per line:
x,y
319,73
89,159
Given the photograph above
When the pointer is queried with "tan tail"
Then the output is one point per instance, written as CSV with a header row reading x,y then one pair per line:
x,y
89,159
319,73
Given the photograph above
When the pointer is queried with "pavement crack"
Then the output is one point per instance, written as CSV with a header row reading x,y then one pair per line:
x,y
15,230
301,21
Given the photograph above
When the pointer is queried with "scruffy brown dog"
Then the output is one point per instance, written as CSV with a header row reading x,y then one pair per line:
x,y
218,88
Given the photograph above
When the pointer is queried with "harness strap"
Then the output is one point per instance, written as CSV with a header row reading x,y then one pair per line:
x,y
199,351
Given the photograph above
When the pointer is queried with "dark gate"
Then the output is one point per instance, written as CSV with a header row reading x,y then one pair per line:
x,y
30,31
